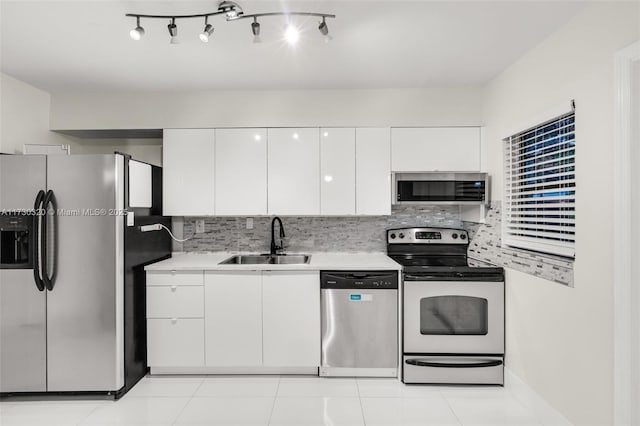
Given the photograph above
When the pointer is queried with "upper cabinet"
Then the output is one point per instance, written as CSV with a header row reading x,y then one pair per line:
x,y
373,171
446,149
294,171
338,171
188,172
241,172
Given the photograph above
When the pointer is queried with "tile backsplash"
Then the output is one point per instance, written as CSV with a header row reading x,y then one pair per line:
x,y
487,246
316,234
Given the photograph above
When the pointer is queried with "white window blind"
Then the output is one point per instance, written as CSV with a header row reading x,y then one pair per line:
x,y
540,188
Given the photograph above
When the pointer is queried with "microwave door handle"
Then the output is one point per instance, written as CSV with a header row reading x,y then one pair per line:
x,y
441,364
36,252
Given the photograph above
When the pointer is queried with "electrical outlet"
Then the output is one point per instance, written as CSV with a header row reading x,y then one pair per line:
x,y
199,226
249,223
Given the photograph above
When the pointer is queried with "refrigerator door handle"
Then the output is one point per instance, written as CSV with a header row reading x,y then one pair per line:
x,y
49,278
37,206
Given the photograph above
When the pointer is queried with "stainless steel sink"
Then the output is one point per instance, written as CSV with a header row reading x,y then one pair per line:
x,y
267,259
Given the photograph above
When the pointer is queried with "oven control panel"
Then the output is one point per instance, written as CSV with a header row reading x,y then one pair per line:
x,y
427,236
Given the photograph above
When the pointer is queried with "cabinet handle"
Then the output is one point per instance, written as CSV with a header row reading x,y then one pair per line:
x,y
173,272
174,320
174,287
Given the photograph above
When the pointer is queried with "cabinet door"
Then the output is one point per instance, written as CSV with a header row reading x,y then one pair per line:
x,y
445,149
337,171
373,171
175,342
291,319
294,171
241,172
188,172
233,319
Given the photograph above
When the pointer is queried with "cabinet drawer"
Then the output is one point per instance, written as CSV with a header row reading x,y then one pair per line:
x,y
175,343
175,302
170,278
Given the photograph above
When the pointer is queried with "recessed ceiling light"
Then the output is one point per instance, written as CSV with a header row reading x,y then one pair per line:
x,y
325,134
257,137
328,178
296,136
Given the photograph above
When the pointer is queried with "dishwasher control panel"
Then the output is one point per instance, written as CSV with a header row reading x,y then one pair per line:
x,y
381,280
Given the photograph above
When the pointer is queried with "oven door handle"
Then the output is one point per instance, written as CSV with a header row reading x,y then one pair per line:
x,y
438,364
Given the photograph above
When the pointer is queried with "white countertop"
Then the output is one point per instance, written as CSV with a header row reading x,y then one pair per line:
x,y
319,261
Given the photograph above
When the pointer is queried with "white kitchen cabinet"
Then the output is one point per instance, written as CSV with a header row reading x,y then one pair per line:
x,y
175,342
291,319
445,149
233,318
373,171
188,172
294,171
337,171
241,172
175,301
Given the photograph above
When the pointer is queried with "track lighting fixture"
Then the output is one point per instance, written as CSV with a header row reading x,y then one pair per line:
x,y
291,34
138,31
208,30
255,29
173,31
323,28
231,11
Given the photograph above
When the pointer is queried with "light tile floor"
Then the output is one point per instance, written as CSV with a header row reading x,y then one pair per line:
x,y
273,400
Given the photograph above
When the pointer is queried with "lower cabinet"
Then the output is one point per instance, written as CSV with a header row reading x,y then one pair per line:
x,y
175,342
291,319
233,319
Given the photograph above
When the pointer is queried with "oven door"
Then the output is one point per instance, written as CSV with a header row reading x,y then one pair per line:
x,y
453,317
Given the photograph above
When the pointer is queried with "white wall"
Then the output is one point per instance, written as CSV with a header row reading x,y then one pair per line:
x,y
559,339
398,107
147,150
24,116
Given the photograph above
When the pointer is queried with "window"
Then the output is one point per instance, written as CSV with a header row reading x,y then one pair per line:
x,y
540,188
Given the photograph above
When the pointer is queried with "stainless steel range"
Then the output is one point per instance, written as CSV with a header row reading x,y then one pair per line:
x,y
453,313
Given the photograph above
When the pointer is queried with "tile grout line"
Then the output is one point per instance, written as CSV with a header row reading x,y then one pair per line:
x,y
275,397
187,403
364,421
443,396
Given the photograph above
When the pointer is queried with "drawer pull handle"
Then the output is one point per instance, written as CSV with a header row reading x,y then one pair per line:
x,y
173,272
174,320
174,287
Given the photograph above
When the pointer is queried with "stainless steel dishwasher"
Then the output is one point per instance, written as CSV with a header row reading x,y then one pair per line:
x,y
359,323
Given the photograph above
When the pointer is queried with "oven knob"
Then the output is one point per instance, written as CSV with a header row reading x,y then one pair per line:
x,y
401,235
454,236
463,237
393,236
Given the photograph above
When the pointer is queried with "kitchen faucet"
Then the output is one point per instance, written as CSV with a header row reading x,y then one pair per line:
x,y
274,247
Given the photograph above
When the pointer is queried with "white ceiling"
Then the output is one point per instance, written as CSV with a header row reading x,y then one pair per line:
x,y
85,45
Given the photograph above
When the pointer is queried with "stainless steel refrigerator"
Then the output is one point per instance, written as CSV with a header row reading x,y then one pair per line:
x,y
72,284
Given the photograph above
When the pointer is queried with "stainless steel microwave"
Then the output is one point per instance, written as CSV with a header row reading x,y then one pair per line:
x,y
441,188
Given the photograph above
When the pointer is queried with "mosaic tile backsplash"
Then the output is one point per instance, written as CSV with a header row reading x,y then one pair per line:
x,y
486,246
367,234
316,234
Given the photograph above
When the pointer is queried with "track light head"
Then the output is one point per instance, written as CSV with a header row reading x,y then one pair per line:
x,y
231,9
255,29
173,31
208,30
323,28
138,31
291,34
